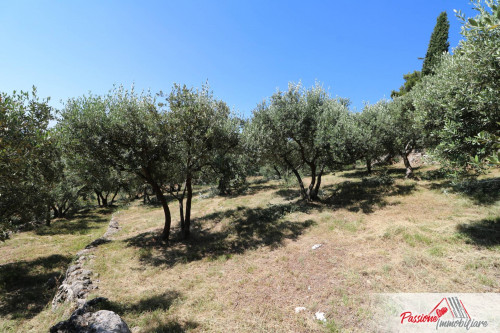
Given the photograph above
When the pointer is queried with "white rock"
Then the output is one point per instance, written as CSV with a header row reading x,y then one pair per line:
x,y
105,321
320,316
300,309
317,246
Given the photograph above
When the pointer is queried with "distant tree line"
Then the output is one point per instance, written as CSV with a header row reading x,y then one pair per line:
x,y
135,144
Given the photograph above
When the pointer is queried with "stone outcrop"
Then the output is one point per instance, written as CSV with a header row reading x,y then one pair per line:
x,y
75,288
77,283
84,320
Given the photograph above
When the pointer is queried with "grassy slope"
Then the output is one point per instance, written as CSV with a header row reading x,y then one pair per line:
x,y
29,259
250,261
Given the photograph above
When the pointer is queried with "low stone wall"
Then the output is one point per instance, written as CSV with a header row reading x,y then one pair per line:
x,y
75,288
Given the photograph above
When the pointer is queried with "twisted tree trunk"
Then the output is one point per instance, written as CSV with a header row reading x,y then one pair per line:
x,y
187,219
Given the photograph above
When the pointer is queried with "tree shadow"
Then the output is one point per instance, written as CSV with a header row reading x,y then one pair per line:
x,y
155,302
365,195
356,174
435,174
288,194
243,229
172,327
396,173
482,192
255,188
25,287
152,303
81,224
484,233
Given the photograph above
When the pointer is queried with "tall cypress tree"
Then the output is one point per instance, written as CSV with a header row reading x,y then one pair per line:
x,y
437,45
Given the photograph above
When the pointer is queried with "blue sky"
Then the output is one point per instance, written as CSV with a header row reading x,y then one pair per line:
x,y
245,49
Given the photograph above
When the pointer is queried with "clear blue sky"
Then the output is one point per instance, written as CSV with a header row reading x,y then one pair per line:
x,y
246,49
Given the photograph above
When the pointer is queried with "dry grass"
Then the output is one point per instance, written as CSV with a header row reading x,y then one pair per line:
x,y
250,262
29,259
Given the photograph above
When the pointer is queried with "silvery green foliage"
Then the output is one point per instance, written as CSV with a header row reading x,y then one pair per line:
x,y
402,122
462,99
487,19
303,129
122,130
375,131
204,132
26,151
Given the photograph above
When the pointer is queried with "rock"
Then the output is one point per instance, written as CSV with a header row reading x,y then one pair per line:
x,y
316,246
300,309
77,283
320,316
75,287
82,252
113,227
107,321
85,321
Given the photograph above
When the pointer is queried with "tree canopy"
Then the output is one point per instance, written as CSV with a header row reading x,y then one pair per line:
x,y
304,129
26,149
461,99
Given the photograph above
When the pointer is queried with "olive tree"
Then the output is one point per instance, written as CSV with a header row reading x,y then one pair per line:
x,y
402,126
26,149
375,138
127,132
203,133
462,100
303,129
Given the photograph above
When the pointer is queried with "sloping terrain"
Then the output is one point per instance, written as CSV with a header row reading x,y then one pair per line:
x,y
250,261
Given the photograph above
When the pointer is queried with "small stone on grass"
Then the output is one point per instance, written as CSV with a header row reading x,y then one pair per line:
x,y
320,316
300,309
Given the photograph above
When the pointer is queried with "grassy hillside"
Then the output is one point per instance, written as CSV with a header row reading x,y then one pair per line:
x,y
250,262
30,259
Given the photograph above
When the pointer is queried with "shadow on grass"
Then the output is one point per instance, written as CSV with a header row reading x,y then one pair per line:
x,y
24,290
246,228
365,195
156,302
485,232
482,192
356,174
161,302
80,224
398,173
251,189
172,327
288,194
256,188
435,174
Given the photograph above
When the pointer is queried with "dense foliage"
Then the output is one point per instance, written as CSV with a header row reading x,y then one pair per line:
x,y
26,149
130,142
303,129
203,135
437,45
462,100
